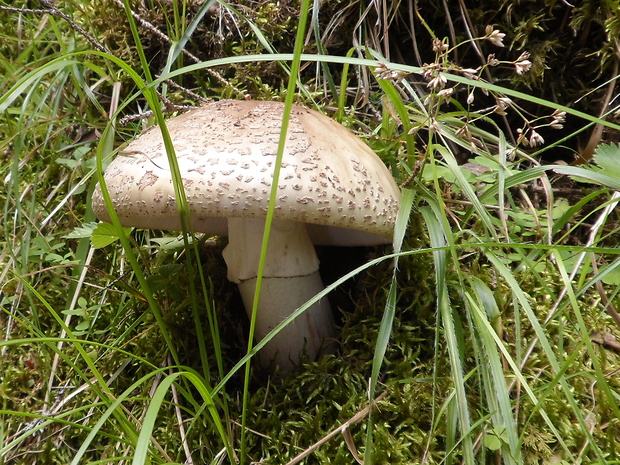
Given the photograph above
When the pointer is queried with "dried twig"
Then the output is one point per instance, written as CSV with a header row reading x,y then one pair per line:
x,y
585,155
147,25
342,429
606,340
52,10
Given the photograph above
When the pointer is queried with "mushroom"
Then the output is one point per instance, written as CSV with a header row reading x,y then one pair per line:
x,y
332,190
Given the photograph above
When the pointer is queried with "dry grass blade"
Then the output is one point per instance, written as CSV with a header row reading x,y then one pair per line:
x,y
359,416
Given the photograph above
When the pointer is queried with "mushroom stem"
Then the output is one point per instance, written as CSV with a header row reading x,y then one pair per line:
x,y
290,279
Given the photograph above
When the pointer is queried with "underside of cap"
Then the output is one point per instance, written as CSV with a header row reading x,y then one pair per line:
x,y
226,153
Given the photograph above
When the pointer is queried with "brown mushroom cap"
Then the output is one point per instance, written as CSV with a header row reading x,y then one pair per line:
x,y
226,151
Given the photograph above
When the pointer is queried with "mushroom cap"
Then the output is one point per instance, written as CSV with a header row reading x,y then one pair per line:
x,y
226,151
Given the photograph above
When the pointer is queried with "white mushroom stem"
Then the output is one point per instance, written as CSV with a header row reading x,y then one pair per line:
x,y
290,279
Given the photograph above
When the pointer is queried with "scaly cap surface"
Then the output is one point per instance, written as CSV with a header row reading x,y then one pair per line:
x,y
226,151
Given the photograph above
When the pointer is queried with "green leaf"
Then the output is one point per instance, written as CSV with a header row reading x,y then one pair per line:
x,y
495,438
492,442
82,326
607,157
172,243
105,234
612,277
68,162
86,230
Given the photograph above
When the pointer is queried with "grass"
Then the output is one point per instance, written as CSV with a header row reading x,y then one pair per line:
x,y
477,331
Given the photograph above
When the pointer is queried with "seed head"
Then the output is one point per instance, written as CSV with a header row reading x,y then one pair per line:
x,y
536,139
446,93
439,45
494,36
558,119
523,65
383,72
438,82
502,103
492,61
470,73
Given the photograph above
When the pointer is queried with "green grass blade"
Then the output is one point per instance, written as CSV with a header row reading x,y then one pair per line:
x,y
385,329
148,425
288,104
438,237
482,306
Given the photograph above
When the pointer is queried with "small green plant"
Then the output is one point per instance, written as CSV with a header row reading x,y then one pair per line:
x,y
87,315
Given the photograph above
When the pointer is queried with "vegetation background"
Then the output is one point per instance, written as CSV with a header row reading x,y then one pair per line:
x,y
487,334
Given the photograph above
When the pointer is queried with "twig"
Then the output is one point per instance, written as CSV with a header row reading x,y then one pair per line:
x,y
585,155
609,306
608,341
52,10
67,322
147,25
200,98
343,429
177,411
